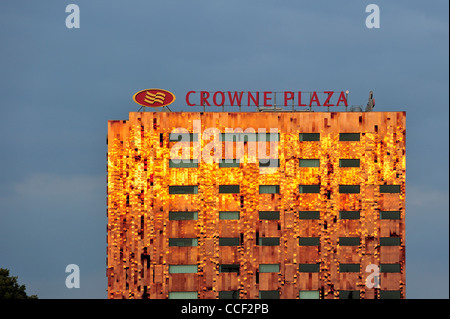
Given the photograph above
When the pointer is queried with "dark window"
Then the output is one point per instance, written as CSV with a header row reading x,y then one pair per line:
x,y
229,241
269,241
303,189
269,189
309,267
349,241
349,163
303,162
390,241
269,294
309,241
229,189
306,137
229,268
349,294
269,162
183,242
230,215
389,188
183,137
349,214
389,214
349,268
224,163
390,294
352,137
348,189
232,294
263,268
307,214
390,268
183,163
270,215
183,215
183,189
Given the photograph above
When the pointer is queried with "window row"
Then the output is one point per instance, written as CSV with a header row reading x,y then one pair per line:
x,y
275,215
275,189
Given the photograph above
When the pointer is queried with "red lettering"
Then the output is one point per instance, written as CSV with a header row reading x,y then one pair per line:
x,y
187,98
215,98
286,98
250,96
300,99
267,98
204,95
330,93
314,98
342,98
235,98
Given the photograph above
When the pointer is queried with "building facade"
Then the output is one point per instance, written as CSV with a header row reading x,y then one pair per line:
x,y
315,209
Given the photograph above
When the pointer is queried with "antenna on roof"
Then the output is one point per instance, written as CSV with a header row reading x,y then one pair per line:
x,y
370,103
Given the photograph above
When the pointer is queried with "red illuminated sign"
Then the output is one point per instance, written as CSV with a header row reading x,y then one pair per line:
x,y
154,98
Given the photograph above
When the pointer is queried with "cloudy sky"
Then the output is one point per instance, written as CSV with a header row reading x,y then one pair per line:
x,y
60,86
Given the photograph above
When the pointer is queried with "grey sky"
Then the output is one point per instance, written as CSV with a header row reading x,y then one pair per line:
x,y
59,87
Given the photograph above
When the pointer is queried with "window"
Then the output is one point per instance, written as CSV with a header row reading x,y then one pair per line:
x,y
269,162
309,241
390,241
183,269
309,162
225,163
229,268
231,215
183,242
384,214
269,215
183,215
263,268
349,294
309,267
309,294
348,189
304,189
269,189
349,163
183,189
269,294
269,241
249,137
308,214
306,137
349,241
229,189
389,188
352,137
349,214
183,163
232,294
183,295
229,241
390,268
183,137
349,268
390,294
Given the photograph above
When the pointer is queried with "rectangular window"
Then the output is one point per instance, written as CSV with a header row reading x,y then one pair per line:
x,y
239,137
384,214
390,294
309,267
183,269
229,241
183,163
389,188
269,189
349,163
183,242
229,268
269,215
183,137
349,241
230,215
309,294
390,268
309,189
232,294
349,294
183,215
349,268
263,268
309,241
352,137
349,214
390,241
269,162
309,214
269,294
303,162
226,163
183,295
269,241
229,189
309,137
349,189
183,189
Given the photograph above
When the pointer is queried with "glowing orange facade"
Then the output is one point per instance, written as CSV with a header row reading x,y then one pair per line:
x,y
319,223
